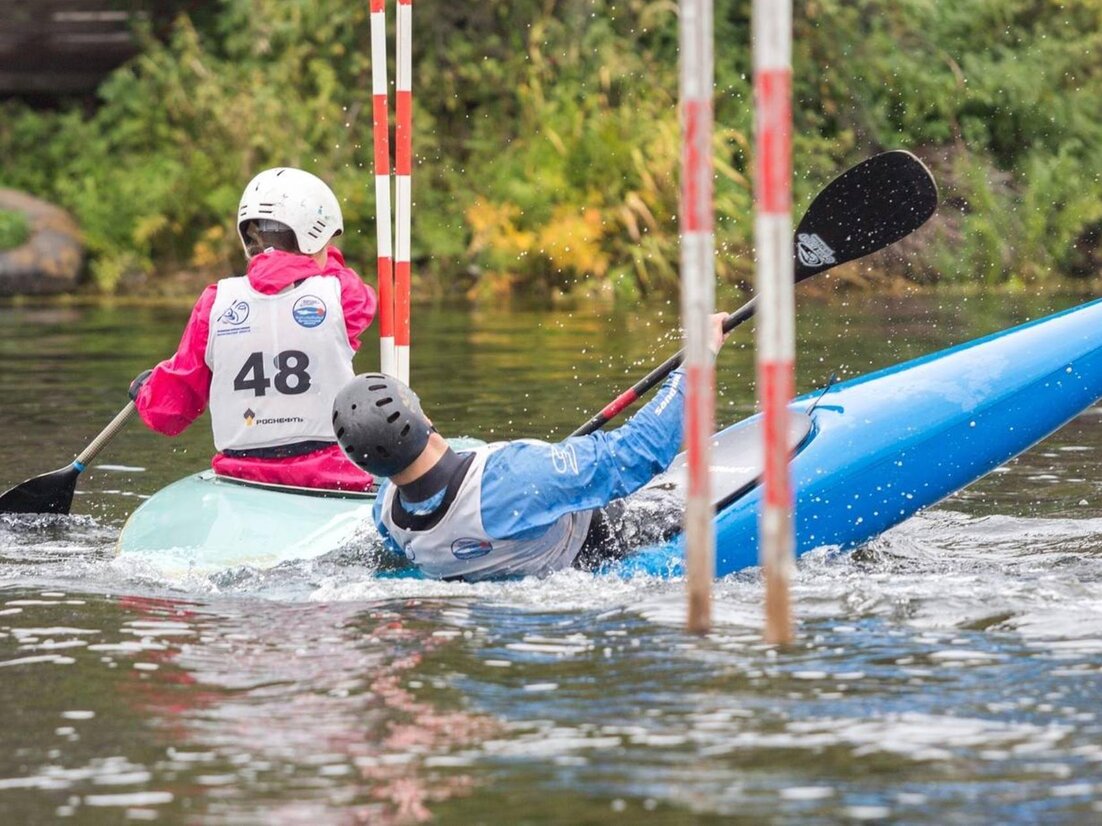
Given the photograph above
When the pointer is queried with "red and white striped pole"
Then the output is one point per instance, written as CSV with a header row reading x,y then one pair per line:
x,y
381,127
772,28
698,301
403,137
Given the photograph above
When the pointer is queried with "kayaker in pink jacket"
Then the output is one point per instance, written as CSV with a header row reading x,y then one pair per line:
x,y
269,350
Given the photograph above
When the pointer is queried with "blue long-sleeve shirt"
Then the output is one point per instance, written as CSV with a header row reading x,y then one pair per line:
x,y
528,485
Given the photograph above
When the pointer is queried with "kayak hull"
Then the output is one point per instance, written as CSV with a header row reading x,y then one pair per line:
x,y
204,523
886,445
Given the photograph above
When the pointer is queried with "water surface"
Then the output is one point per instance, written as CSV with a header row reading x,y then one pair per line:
x,y
949,672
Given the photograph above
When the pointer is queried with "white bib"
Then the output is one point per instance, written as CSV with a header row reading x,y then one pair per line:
x,y
277,363
458,545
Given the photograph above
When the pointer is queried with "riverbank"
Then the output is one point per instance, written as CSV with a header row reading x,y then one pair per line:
x,y
851,281
547,148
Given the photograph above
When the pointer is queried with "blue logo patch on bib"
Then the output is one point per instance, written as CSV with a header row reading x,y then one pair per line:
x,y
309,311
465,549
236,314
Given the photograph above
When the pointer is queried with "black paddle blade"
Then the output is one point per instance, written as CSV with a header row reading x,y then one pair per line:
x,y
863,210
49,493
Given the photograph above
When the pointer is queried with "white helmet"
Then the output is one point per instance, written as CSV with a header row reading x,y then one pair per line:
x,y
297,199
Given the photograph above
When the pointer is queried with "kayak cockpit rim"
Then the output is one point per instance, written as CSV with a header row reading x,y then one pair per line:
x,y
328,493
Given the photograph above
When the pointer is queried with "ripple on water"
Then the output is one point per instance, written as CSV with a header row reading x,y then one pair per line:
x,y
954,647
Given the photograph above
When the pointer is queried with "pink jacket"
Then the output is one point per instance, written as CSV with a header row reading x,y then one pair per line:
x,y
178,390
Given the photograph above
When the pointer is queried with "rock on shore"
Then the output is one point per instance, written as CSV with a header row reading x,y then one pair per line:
x,y
52,258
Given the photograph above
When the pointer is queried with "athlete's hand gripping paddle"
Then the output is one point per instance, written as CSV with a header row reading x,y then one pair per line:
x,y
865,209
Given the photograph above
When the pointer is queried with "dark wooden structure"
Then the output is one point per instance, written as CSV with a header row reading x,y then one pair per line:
x,y
55,48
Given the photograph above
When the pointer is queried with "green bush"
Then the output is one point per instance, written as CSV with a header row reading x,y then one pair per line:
x,y
546,134
13,229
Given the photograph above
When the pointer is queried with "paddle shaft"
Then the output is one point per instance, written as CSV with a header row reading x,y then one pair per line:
x,y
53,492
628,397
88,455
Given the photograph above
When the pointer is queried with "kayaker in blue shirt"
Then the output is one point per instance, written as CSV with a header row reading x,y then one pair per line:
x,y
508,509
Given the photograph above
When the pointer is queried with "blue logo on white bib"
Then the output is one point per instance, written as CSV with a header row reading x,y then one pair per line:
x,y
309,311
465,549
236,314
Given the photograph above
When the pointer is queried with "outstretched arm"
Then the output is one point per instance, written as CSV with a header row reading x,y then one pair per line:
x,y
178,389
528,485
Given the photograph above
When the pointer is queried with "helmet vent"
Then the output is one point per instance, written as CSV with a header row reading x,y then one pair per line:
x,y
353,407
340,433
405,431
377,387
393,417
382,451
385,401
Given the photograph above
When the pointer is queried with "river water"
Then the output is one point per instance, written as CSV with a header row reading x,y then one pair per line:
x,y
949,672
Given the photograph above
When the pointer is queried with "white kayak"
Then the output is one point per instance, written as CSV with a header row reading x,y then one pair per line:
x,y
205,522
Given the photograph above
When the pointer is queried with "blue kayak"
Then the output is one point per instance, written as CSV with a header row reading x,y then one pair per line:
x,y
884,446
868,453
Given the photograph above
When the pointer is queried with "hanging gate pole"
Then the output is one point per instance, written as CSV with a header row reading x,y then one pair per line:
x,y
381,129
403,167
698,301
772,28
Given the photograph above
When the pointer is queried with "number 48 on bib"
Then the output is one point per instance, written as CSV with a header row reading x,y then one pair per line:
x,y
290,377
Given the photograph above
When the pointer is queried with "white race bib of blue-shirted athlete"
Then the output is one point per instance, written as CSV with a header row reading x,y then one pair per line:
x,y
277,363
460,546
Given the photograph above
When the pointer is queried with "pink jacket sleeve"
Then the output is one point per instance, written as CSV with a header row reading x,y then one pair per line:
x,y
179,388
357,300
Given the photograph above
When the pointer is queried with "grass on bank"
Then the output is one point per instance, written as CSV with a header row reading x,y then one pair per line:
x,y
14,229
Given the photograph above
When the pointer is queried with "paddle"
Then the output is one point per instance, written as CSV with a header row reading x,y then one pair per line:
x,y
53,492
867,208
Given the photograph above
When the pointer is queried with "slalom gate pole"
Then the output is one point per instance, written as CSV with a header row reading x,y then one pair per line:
x,y
403,137
772,31
381,128
698,302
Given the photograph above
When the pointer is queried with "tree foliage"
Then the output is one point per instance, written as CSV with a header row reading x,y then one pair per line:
x,y
546,134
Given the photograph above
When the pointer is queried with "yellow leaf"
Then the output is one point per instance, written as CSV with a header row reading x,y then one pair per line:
x,y
147,227
572,240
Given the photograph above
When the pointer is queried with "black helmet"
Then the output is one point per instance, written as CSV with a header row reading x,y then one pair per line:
x,y
379,424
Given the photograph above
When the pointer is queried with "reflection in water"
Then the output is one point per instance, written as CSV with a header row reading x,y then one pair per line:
x,y
948,672
306,710
309,713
